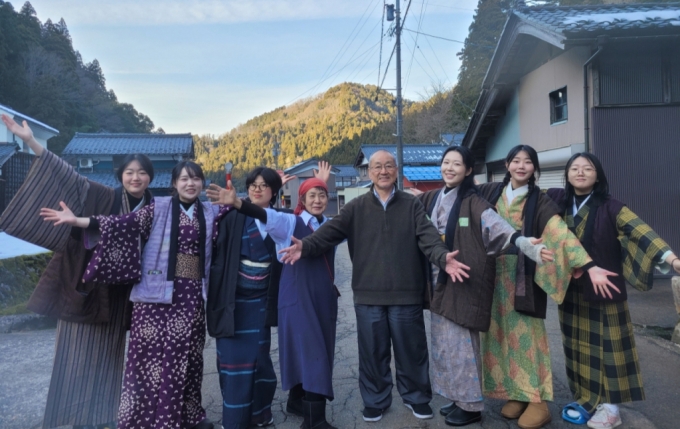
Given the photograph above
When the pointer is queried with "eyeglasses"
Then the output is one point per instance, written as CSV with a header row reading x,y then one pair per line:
x,y
378,168
585,170
258,187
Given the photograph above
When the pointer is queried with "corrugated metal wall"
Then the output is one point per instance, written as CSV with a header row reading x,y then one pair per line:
x,y
640,150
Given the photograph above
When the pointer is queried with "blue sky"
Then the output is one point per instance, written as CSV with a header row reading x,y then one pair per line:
x,y
205,66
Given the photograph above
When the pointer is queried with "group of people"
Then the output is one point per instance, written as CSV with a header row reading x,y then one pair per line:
x,y
482,258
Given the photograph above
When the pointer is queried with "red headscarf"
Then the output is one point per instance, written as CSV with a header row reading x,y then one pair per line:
x,y
306,186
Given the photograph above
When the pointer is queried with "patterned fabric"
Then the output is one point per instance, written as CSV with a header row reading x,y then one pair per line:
x,y
456,363
253,276
252,243
45,190
516,356
164,370
246,371
599,346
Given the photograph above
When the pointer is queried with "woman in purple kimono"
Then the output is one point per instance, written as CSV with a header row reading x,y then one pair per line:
x,y
164,369
308,300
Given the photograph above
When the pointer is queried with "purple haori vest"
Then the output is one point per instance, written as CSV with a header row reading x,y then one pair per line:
x,y
154,287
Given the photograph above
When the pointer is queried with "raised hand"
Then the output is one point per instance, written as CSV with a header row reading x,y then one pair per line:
x,y
23,132
292,253
601,284
225,197
285,178
454,268
63,216
324,171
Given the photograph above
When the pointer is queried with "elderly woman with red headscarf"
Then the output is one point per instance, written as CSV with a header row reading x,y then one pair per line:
x,y
308,301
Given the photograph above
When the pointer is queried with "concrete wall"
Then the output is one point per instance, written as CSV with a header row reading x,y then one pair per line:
x,y
507,132
534,102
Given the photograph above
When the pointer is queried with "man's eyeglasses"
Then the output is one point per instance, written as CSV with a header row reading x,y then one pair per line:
x,y
258,187
378,168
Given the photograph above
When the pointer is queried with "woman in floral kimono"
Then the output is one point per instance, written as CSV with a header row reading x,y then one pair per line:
x,y
89,355
461,310
164,369
603,369
515,353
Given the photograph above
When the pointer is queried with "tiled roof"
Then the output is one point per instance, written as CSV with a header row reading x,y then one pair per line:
x,y
306,165
413,153
162,179
346,171
603,19
6,151
123,144
27,118
422,172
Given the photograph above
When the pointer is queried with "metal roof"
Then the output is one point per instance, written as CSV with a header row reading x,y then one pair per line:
x,y
306,165
362,184
6,151
28,118
423,173
413,153
126,143
346,171
162,179
590,20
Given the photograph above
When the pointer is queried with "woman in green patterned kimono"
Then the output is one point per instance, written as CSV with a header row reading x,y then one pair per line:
x,y
599,347
515,355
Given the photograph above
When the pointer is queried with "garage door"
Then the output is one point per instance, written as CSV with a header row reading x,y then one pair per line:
x,y
551,179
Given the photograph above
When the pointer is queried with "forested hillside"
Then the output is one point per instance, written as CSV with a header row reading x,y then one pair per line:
x,y
332,126
43,76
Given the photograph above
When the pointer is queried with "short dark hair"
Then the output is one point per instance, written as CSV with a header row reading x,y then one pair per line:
x,y
193,170
143,160
270,177
601,188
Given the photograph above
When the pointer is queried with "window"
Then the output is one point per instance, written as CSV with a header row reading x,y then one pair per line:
x,y
558,106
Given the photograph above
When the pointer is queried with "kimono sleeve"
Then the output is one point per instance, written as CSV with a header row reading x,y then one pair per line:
x,y
554,277
117,257
642,249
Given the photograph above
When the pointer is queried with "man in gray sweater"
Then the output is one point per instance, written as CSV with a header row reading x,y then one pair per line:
x,y
390,240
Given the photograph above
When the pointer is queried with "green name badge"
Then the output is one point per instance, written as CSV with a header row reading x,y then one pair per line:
x,y
464,221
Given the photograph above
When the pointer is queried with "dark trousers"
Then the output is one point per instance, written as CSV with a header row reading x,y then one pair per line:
x,y
403,328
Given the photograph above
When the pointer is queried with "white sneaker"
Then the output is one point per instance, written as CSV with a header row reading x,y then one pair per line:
x,y
606,417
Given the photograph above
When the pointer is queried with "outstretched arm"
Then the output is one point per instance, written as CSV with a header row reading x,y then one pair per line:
x,y
64,216
24,133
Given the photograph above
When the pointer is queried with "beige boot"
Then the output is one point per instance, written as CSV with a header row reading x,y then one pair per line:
x,y
513,409
535,416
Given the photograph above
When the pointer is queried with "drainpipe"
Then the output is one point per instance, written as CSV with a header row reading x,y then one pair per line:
x,y
586,117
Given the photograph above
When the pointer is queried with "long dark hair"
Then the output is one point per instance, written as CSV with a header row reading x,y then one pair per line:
x,y
469,162
143,160
601,187
533,156
270,177
193,170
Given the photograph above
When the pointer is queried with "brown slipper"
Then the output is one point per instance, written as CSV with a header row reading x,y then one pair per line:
x,y
535,416
513,409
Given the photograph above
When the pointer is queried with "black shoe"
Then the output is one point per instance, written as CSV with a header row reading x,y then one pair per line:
x,y
294,404
315,415
421,411
460,417
372,414
446,410
204,424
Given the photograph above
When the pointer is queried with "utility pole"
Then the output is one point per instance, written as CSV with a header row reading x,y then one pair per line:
x,y
400,141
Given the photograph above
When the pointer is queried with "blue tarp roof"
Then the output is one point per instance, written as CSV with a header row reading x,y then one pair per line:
x,y
422,173
126,143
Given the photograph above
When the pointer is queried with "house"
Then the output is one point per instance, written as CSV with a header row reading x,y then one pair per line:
x,y
15,156
96,156
604,79
303,171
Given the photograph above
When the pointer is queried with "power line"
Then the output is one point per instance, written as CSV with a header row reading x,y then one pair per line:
x,y
450,40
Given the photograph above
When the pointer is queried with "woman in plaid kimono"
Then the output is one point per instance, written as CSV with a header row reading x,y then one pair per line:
x,y
515,352
599,347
